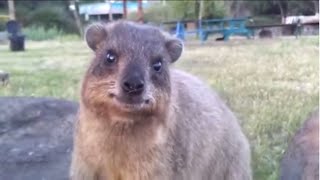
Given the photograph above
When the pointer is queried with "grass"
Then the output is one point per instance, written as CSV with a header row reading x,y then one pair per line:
x,y
271,85
39,33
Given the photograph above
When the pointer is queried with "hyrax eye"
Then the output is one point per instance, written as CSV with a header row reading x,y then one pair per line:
x,y
111,57
157,65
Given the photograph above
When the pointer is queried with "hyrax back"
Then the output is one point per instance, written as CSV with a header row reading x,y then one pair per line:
x,y
139,120
301,159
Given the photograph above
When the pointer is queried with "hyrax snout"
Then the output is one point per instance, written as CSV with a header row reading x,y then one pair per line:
x,y
139,119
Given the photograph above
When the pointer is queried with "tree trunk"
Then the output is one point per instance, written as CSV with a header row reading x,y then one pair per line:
x,y
110,11
12,11
140,12
76,16
282,10
124,9
201,7
236,9
316,6
196,7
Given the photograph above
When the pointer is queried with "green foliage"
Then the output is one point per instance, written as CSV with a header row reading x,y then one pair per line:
x,y
181,10
69,37
156,14
271,19
214,9
47,16
3,21
48,13
39,33
307,7
186,9
271,7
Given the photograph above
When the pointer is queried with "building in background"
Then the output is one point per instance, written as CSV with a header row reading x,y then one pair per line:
x,y
100,11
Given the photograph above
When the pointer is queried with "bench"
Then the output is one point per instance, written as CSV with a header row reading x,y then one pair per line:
x,y
225,27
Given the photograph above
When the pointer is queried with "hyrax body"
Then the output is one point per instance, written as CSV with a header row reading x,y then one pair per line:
x,y
140,120
301,160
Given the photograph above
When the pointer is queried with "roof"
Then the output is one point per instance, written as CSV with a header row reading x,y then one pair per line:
x,y
104,7
304,19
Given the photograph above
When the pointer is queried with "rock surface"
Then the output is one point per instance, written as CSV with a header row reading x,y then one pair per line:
x,y
4,77
35,138
301,159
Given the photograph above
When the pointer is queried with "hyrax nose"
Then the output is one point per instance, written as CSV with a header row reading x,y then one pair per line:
x,y
133,85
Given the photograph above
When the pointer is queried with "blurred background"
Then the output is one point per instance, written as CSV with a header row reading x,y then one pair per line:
x,y
44,19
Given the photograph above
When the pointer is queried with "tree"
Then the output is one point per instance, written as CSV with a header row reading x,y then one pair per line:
x,y
283,7
12,13
124,9
140,11
76,16
110,12
307,7
316,5
186,9
201,10
214,9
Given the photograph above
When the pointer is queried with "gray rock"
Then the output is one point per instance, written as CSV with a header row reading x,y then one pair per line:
x,y
35,138
4,77
265,33
301,159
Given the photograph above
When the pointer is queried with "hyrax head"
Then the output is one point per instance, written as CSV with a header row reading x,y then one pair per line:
x,y
130,70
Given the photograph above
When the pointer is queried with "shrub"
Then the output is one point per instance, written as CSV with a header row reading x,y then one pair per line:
x,y
157,14
47,16
214,9
39,33
3,21
262,20
181,10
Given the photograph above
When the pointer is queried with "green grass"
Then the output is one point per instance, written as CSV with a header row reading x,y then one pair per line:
x,y
271,85
39,33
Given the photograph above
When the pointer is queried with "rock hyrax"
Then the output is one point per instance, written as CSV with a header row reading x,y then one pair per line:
x,y
301,159
141,120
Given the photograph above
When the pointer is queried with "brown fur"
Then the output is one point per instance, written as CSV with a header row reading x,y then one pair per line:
x,y
301,160
181,130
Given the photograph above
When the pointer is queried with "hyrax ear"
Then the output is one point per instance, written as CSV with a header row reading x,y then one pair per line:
x,y
95,34
175,48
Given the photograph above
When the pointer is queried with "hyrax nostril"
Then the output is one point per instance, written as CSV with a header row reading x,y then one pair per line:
x,y
140,86
127,86
133,86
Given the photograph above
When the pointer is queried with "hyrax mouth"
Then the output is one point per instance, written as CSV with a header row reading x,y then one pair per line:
x,y
134,100
128,102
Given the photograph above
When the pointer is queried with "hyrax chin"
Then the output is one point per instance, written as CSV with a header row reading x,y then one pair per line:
x,y
140,120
